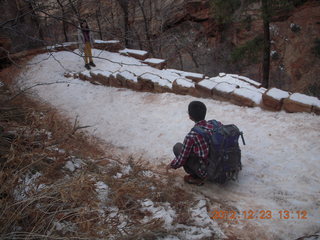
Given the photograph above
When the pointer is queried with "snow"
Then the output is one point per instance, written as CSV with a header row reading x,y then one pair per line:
x,y
248,80
225,87
103,190
73,164
65,44
154,60
187,74
133,51
86,73
100,72
308,100
164,212
277,94
208,83
27,185
255,96
202,227
185,83
157,79
109,41
128,75
281,169
70,166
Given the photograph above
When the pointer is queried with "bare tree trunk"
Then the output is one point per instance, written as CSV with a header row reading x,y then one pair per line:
x,y
124,4
266,54
64,24
36,20
146,25
99,23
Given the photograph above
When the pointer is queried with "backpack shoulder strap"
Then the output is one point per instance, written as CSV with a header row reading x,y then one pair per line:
x,y
201,132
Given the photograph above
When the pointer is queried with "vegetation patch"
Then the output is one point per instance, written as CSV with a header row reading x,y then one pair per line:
x,y
223,10
249,52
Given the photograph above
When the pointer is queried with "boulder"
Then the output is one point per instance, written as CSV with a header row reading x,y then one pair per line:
x,y
102,77
273,99
246,97
156,63
129,80
294,106
298,102
111,45
146,83
154,83
195,77
184,87
85,75
223,91
204,88
316,110
115,82
138,54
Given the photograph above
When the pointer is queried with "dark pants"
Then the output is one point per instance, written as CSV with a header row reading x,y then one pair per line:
x,y
192,165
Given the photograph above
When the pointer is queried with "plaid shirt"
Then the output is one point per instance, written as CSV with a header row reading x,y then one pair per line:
x,y
195,144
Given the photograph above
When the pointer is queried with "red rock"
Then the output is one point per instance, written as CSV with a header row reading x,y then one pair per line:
x,y
156,63
271,103
203,91
183,90
294,106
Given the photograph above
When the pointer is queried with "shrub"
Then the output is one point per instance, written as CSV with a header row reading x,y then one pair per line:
x,y
248,52
223,9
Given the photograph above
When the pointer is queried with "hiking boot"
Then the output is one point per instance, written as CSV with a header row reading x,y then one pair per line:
x,y
92,64
87,66
192,180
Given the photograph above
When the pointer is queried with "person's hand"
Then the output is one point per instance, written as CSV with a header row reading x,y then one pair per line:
x,y
168,167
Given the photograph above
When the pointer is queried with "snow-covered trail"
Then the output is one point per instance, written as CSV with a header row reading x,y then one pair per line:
x,y
281,161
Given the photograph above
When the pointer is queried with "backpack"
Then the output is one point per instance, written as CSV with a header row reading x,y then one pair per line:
x,y
224,152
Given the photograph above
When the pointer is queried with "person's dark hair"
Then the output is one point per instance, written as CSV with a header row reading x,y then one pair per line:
x,y
197,110
82,22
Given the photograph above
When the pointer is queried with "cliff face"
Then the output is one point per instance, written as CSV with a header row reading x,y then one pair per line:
x,y
191,39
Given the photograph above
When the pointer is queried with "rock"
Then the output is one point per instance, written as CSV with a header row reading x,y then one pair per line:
x,y
293,106
156,63
115,82
111,45
273,99
102,77
139,54
129,80
204,87
298,102
316,110
184,87
196,77
85,75
223,91
246,97
154,83
146,84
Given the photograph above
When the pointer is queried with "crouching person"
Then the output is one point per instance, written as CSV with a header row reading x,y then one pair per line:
x,y
193,153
